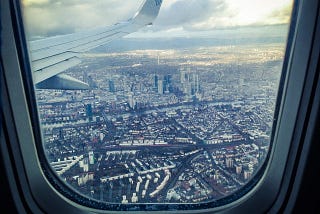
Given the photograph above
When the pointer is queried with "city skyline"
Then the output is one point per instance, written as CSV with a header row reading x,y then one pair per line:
x,y
156,129
178,112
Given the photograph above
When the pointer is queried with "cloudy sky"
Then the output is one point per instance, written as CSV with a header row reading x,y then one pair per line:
x,y
176,17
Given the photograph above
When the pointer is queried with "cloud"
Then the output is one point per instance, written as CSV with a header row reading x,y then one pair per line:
x,y
49,17
34,2
54,17
281,15
191,14
258,12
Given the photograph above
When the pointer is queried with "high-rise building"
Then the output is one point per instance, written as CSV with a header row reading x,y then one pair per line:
x,y
190,82
160,86
85,165
85,76
111,86
91,157
167,83
131,101
229,162
156,82
101,136
91,82
89,112
238,169
196,83
187,88
182,77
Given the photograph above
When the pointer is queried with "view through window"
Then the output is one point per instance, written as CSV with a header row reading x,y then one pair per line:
x,y
180,111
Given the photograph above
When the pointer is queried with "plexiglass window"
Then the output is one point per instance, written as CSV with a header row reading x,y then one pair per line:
x,y
156,102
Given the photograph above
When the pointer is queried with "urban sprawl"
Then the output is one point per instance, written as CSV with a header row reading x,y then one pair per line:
x,y
164,126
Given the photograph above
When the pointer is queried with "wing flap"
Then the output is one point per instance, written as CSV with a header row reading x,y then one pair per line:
x,y
74,45
52,60
55,41
47,72
97,42
63,81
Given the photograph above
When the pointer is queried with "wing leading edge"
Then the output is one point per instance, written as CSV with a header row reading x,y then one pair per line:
x,y
51,56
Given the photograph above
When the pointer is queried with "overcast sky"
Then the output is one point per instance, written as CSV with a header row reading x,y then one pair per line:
x,y
176,17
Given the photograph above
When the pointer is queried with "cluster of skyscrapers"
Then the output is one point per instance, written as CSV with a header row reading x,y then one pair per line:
x,y
162,133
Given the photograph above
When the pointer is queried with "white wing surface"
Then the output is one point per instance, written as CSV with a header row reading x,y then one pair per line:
x,y
51,56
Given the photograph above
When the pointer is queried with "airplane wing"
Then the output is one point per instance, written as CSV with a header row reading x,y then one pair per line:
x,y
51,56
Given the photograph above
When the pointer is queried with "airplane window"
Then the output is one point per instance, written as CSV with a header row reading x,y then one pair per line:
x,y
156,102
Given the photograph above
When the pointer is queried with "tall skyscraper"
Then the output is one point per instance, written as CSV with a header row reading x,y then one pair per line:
x,y
188,88
111,86
91,82
89,112
190,82
167,86
85,76
156,82
131,101
197,86
182,77
160,86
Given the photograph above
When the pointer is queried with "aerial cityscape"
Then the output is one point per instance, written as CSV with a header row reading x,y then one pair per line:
x,y
168,125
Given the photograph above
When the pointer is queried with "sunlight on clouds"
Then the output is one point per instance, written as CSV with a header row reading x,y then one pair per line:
x,y
281,15
35,2
212,14
49,17
244,12
53,17
250,12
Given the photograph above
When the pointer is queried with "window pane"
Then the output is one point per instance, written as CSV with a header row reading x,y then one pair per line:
x,y
180,111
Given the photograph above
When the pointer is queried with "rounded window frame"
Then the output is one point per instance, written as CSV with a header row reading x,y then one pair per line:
x,y
297,57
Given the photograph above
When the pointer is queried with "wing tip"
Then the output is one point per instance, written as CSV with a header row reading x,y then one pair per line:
x,y
148,12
